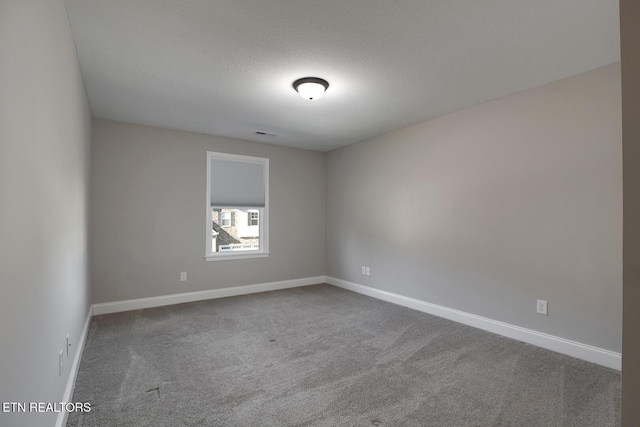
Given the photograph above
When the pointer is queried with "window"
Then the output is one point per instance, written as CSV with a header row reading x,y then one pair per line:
x,y
225,218
253,218
237,207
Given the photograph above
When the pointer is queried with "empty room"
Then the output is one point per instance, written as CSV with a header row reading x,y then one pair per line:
x,y
319,213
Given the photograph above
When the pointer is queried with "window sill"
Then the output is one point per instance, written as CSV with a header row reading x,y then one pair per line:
x,y
245,255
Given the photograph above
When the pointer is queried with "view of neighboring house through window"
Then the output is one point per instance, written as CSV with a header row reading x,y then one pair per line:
x,y
225,218
237,206
253,218
238,235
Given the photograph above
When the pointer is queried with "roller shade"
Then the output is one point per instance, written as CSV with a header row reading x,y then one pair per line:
x,y
236,183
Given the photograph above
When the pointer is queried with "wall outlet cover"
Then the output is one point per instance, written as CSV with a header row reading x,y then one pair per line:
x,y
541,307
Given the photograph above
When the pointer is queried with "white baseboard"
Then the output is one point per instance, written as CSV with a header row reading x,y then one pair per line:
x,y
136,304
575,349
61,421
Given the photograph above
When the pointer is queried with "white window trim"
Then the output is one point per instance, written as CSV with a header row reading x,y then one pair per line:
x,y
263,223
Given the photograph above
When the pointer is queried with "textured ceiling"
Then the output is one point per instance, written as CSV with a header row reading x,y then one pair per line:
x,y
225,67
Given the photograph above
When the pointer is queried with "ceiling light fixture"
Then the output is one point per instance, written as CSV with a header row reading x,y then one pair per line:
x,y
311,88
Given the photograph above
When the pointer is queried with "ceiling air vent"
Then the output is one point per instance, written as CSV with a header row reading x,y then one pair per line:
x,y
265,134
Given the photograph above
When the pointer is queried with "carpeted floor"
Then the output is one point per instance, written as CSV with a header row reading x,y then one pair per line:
x,y
323,356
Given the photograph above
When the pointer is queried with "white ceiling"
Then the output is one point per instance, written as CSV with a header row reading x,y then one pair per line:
x,y
225,67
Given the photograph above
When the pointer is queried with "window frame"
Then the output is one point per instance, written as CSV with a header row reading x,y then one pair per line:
x,y
263,211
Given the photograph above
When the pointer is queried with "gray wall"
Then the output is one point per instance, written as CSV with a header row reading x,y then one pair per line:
x,y
490,208
45,127
630,41
148,219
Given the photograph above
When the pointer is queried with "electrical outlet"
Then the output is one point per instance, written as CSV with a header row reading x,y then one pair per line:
x,y
60,363
541,307
183,276
367,271
364,270
68,343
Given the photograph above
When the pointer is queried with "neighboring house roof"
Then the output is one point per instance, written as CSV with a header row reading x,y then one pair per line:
x,y
224,236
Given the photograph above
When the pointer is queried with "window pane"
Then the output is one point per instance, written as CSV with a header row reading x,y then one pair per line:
x,y
243,234
225,218
253,218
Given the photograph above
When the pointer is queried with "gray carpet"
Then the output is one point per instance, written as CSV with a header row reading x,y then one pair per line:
x,y
323,356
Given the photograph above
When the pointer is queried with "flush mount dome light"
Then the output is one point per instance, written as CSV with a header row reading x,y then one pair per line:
x,y
311,88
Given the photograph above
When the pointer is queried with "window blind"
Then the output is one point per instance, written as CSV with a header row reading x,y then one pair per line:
x,y
237,184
